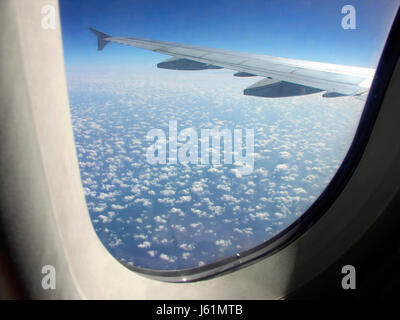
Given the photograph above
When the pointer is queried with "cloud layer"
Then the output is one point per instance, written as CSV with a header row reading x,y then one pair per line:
x,y
180,216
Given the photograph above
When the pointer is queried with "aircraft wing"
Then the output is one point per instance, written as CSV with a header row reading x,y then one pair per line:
x,y
283,77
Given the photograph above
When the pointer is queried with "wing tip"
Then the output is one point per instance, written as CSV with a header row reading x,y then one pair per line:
x,y
101,42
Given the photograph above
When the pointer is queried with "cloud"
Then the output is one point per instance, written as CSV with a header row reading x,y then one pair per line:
x,y
158,219
168,258
175,207
282,167
144,245
187,247
144,202
177,211
223,243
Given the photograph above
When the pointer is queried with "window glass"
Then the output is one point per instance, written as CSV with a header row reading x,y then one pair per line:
x,y
160,192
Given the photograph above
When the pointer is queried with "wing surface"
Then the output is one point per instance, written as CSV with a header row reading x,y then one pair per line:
x,y
284,77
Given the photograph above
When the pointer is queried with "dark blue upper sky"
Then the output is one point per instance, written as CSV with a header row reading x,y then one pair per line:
x,y
303,29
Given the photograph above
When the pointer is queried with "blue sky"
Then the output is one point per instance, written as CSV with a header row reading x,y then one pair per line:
x,y
304,29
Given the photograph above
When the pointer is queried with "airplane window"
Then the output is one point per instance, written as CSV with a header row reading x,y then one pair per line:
x,y
206,129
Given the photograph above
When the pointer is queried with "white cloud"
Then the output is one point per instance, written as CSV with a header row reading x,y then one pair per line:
x,y
168,258
144,245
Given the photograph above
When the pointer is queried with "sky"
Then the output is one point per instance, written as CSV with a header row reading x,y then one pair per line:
x,y
306,29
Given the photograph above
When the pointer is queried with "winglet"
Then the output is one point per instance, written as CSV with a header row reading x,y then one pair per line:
x,y
101,42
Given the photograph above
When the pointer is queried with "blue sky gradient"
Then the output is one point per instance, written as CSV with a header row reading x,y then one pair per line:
x,y
307,29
